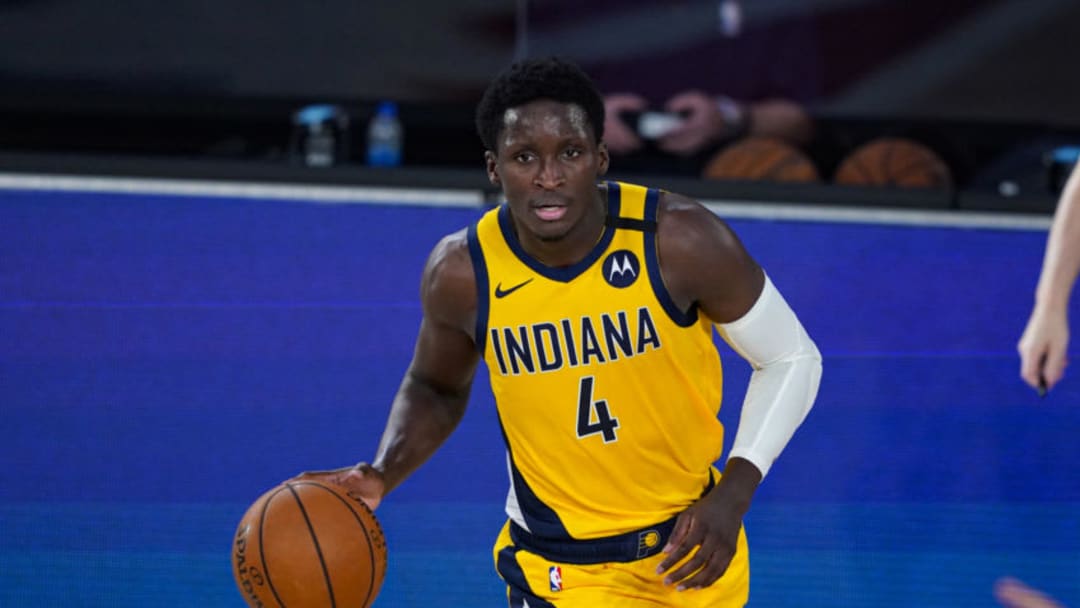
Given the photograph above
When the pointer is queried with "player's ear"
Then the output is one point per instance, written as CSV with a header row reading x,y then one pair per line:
x,y
605,158
492,168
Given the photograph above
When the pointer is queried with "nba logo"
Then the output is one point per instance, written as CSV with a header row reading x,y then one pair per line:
x,y
555,578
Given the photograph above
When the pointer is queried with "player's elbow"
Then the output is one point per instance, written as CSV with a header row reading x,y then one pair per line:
x,y
810,366
801,372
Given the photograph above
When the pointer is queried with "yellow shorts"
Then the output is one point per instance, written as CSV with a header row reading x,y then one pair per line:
x,y
535,582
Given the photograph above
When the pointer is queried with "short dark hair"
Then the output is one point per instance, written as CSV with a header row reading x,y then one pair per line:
x,y
526,81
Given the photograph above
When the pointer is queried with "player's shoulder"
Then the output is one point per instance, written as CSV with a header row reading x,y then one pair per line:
x,y
687,224
448,286
449,263
702,261
679,206
698,250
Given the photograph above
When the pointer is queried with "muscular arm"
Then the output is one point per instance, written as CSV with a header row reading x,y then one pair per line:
x,y
704,264
1046,337
435,390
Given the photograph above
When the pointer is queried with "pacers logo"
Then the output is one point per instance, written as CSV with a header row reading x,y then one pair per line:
x,y
648,540
621,268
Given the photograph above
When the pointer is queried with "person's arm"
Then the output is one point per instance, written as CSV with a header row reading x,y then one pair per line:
x,y
704,263
1046,337
435,389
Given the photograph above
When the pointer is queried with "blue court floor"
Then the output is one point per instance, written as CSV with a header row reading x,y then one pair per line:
x,y
166,359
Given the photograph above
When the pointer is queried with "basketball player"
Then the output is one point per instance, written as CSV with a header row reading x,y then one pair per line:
x,y
593,304
1046,337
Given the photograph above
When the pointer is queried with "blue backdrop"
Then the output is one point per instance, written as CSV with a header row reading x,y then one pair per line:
x,y
165,360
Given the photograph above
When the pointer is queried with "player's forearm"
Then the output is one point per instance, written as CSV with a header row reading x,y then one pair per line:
x,y
421,419
787,372
777,400
1062,260
741,479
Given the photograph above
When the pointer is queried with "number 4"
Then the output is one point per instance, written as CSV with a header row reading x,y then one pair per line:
x,y
586,406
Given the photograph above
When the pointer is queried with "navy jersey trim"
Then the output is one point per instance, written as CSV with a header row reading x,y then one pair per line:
x,y
476,254
567,273
652,262
630,224
511,572
621,548
540,518
625,547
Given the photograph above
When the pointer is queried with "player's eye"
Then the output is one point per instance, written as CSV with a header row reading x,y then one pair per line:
x,y
524,157
572,152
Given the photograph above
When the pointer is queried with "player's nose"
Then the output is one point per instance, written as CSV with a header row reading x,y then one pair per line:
x,y
549,174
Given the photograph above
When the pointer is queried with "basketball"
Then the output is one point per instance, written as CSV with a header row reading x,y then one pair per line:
x,y
894,162
307,543
761,158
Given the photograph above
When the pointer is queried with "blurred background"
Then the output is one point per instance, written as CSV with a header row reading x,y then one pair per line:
x,y
985,84
209,259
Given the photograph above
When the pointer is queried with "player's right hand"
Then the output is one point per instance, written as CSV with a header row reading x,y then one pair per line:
x,y
361,480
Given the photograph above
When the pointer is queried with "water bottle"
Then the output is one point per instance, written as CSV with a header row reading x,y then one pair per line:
x,y
384,137
320,136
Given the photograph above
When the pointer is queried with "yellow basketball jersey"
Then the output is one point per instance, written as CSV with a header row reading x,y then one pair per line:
x,y
607,393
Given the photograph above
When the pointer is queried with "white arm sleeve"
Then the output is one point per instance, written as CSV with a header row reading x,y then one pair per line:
x,y
784,383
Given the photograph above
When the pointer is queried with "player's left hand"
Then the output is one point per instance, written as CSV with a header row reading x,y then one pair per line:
x,y
711,525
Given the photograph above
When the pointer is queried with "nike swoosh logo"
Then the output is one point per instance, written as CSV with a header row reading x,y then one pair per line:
x,y
500,293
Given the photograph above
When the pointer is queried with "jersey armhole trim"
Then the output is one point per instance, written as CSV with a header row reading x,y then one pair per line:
x,y
652,263
476,254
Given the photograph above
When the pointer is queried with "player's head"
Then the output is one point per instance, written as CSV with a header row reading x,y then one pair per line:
x,y
532,80
542,123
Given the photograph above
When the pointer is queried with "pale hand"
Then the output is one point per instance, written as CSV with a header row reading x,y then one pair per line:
x,y
1042,348
1011,593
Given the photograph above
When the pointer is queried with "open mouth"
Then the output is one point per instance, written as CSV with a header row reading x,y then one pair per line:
x,y
550,207
550,213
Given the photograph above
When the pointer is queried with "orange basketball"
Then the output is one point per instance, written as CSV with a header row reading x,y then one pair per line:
x,y
306,544
761,158
894,162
